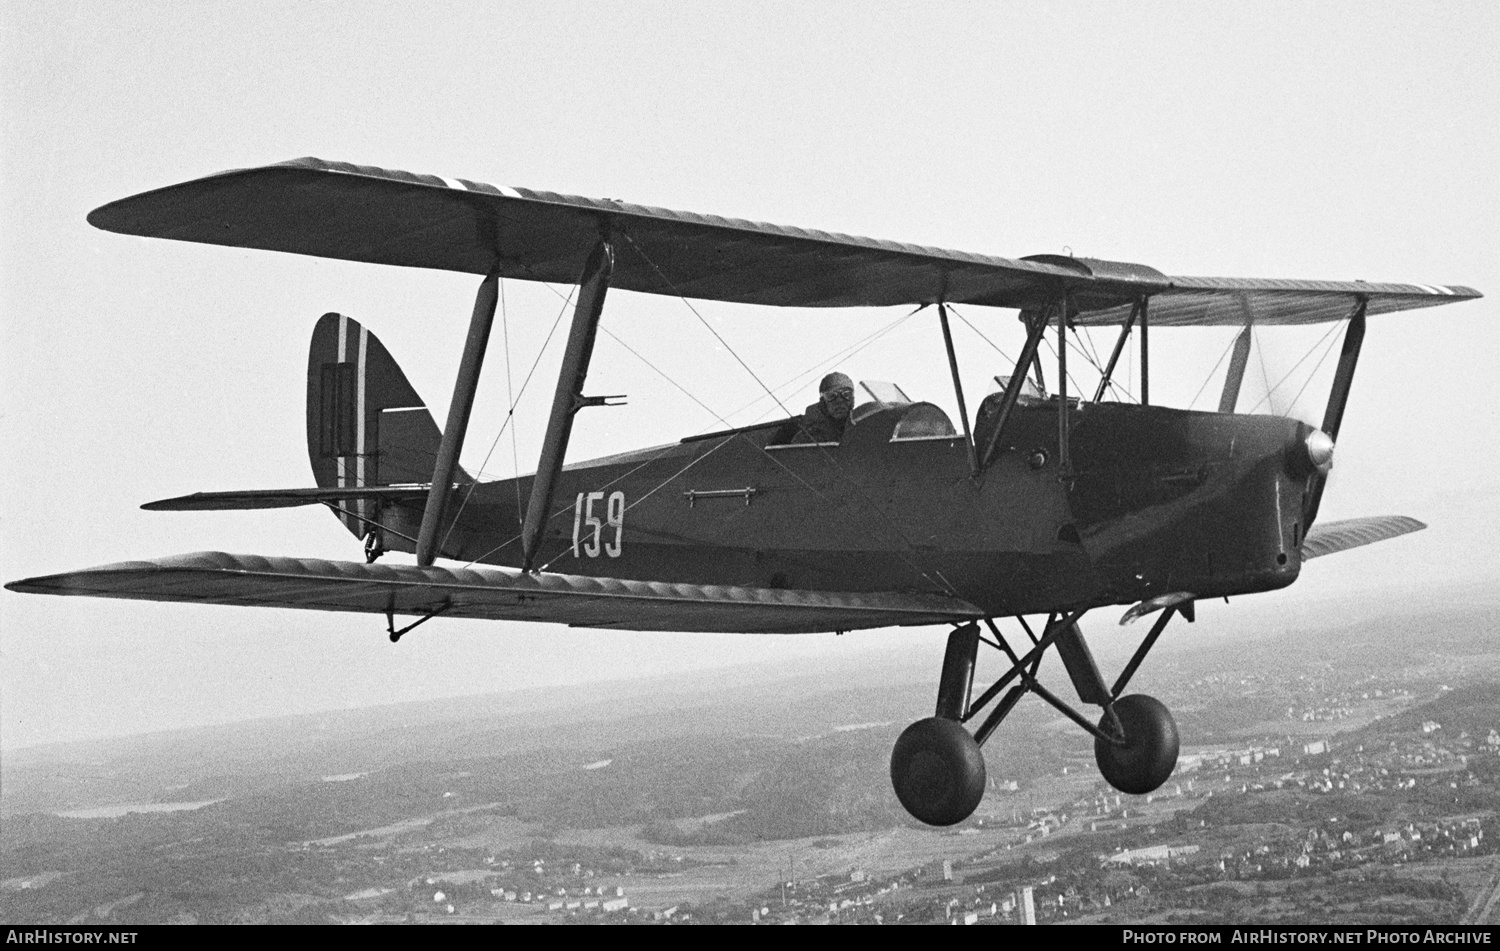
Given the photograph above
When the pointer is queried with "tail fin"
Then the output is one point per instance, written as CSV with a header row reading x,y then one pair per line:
x,y
366,426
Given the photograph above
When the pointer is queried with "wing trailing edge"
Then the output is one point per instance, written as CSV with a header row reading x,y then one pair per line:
x,y
498,594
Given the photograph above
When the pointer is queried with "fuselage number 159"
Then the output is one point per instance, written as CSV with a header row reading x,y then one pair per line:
x,y
598,525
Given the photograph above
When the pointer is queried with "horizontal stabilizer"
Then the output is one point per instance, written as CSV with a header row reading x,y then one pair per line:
x,y
283,498
1354,532
501,594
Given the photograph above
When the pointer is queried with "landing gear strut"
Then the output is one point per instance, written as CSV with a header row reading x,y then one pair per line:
x,y
937,769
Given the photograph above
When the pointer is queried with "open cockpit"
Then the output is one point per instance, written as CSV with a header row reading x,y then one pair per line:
x,y
897,416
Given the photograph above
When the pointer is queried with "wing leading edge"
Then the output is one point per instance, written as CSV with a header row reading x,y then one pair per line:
x,y
382,216
498,594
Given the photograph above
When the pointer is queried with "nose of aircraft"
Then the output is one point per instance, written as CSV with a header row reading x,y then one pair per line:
x,y
1312,454
1319,447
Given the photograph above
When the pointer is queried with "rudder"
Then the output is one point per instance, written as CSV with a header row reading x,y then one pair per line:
x,y
366,425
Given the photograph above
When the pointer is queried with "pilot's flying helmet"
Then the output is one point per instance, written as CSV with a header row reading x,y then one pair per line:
x,y
836,381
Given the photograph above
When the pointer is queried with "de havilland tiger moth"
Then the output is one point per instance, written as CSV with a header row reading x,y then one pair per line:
x,y
1039,510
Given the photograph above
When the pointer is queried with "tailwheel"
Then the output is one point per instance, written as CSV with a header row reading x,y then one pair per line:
x,y
938,771
1148,754
374,546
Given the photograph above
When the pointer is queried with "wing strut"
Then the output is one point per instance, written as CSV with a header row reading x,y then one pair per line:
x,y
1237,362
569,398
458,416
1114,358
1145,352
1065,309
958,390
1338,398
1035,327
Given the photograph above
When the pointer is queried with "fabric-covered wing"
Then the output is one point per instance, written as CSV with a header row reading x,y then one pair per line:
x,y
1339,536
499,594
381,216
1229,301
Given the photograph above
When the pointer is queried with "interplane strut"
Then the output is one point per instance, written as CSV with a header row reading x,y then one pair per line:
x,y
1338,399
568,398
452,443
1237,363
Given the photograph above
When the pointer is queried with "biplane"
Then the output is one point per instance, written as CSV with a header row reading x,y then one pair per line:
x,y
1042,508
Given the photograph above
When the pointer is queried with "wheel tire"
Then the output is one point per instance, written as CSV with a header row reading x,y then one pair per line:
x,y
938,771
1150,751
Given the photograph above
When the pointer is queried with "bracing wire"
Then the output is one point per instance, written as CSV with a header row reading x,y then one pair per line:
x,y
510,398
702,320
954,311
1091,358
1306,383
1260,353
722,421
509,416
1211,373
828,361
1286,376
1072,380
940,580
827,456
842,354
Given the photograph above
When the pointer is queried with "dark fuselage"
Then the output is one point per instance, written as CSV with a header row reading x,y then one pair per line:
x,y
1157,500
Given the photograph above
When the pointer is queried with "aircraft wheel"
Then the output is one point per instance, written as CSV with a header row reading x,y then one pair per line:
x,y
938,771
1150,751
374,546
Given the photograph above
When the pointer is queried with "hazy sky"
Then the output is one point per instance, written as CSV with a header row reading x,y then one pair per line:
x,y
1267,140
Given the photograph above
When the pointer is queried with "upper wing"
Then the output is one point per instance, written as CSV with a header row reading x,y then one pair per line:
x,y
361,213
381,216
1349,533
496,594
1232,301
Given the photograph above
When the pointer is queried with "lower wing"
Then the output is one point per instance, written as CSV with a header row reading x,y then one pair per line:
x,y
497,594
1331,537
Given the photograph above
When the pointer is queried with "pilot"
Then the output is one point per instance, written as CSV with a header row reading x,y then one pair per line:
x,y
825,420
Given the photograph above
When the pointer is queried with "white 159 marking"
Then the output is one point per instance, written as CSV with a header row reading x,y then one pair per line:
x,y
617,521
589,529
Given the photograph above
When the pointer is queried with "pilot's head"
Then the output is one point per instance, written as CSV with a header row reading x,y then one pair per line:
x,y
837,394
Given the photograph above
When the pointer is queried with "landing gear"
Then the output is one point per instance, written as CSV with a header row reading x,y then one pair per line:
x,y
937,768
1148,754
938,771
